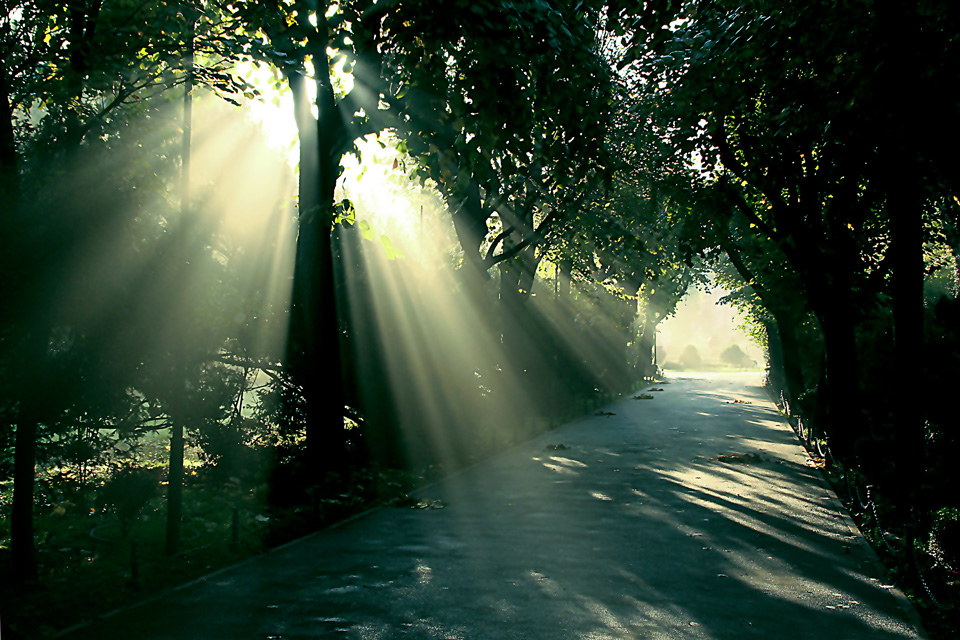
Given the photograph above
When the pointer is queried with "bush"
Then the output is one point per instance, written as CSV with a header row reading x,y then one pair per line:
x,y
127,492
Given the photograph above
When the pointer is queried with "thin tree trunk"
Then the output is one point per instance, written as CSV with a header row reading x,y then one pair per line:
x,y
647,344
25,460
34,351
175,486
21,530
175,469
794,379
841,386
9,161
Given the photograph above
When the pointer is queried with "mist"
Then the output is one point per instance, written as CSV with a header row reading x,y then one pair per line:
x,y
704,327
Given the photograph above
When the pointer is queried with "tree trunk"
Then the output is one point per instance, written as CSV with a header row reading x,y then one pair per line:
x,y
906,248
841,389
21,530
365,361
900,158
782,332
784,327
15,302
9,165
516,281
314,343
25,460
175,484
175,467
647,344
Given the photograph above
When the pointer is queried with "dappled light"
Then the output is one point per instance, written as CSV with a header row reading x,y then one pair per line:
x,y
659,545
559,319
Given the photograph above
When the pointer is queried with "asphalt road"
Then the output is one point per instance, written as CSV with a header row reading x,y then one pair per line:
x,y
694,514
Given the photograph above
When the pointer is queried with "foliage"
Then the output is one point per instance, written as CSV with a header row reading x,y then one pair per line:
x,y
735,357
127,492
595,160
690,358
822,203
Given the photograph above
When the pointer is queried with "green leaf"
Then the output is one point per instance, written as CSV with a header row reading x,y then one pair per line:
x,y
365,229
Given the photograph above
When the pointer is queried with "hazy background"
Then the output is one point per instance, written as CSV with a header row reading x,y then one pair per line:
x,y
710,328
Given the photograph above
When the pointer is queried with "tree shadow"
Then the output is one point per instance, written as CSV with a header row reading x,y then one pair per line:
x,y
635,529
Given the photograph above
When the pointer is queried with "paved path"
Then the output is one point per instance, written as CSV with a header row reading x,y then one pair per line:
x,y
633,528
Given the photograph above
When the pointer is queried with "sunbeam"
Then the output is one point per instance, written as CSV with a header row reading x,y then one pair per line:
x,y
426,344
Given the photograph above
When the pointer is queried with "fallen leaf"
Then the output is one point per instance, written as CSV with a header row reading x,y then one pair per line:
x,y
746,458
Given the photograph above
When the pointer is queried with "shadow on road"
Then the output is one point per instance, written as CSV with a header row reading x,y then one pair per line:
x,y
692,515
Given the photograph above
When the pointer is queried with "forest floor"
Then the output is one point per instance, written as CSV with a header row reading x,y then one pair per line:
x,y
690,511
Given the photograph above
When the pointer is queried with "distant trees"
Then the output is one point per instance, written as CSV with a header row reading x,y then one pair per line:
x,y
735,357
690,358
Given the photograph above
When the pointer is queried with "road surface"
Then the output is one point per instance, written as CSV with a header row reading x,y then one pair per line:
x,y
694,514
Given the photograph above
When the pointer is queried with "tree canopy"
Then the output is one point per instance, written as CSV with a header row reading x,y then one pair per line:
x,y
577,166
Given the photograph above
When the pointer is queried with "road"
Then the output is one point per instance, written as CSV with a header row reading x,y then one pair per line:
x,y
693,514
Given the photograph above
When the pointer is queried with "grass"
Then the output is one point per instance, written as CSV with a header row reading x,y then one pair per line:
x,y
88,567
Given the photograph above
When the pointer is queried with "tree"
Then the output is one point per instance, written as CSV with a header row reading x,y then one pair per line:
x,y
766,288
504,108
762,101
638,232
735,357
690,358
439,76
800,127
84,68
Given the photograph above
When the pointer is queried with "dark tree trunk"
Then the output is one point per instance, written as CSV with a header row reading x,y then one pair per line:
x,y
791,364
24,471
21,530
31,388
906,248
782,332
647,339
175,485
776,373
9,171
516,281
175,467
365,362
314,351
900,158
841,396
470,224
31,349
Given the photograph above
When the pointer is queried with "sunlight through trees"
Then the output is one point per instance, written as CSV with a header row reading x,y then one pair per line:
x,y
342,246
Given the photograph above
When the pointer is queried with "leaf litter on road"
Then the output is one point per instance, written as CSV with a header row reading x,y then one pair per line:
x,y
740,458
